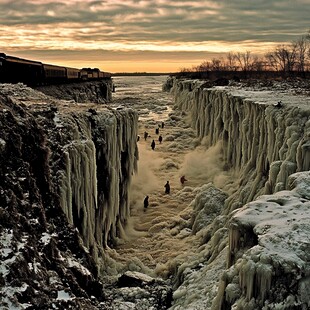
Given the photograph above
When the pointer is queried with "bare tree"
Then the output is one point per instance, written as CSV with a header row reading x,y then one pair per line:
x,y
182,70
283,58
245,60
258,64
274,62
204,66
301,46
216,64
231,64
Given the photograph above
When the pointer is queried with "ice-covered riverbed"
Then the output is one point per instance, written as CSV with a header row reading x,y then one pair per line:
x,y
189,235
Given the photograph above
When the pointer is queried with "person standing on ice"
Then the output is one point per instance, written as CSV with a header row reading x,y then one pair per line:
x,y
146,202
153,145
182,179
167,188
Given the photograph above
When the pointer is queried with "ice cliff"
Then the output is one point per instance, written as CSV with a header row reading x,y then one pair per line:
x,y
60,158
265,140
262,142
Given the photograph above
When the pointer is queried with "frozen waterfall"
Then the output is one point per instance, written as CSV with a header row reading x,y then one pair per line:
x,y
99,158
267,216
263,143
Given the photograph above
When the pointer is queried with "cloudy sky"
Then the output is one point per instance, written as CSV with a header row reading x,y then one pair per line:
x,y
146,35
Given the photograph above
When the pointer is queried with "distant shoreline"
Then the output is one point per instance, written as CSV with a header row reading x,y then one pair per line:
x,y
141,74
221,74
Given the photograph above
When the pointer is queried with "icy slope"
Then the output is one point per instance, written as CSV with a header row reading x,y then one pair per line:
x,y
269,251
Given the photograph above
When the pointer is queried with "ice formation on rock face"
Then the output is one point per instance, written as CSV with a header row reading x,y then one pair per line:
x,y
267,147
264,143
269,252
79,188
47,161
92,154
99,159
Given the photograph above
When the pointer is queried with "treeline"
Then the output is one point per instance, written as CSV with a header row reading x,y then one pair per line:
x,y
291,58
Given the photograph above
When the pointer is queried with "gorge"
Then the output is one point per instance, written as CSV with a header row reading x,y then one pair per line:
x,y
65,198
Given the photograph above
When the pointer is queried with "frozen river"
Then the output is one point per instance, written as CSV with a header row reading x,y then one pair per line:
x,y
159,240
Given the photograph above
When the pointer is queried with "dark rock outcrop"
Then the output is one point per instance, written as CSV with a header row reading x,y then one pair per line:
x,y
48,257
92,92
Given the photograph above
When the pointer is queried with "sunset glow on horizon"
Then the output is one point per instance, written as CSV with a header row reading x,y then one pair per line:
x,y
146,36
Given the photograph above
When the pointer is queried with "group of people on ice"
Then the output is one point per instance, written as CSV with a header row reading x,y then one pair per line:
x,y
167,191
160,137
153,144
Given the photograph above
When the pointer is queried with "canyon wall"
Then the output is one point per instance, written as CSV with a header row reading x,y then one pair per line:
x,y
94,91
264,135
65,173
263,143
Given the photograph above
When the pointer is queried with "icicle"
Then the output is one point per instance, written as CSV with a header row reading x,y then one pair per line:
x,y
263,280
254,135
99,163
233,243
247,278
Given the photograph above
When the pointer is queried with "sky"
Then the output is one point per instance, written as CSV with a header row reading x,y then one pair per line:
x,y
146,35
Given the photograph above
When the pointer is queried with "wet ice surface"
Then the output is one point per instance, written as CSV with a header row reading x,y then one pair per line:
x,y
144,94
149,241
166,240
158,240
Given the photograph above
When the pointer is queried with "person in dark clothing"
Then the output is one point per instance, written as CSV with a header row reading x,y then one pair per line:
x,y
156,131
162,124
145,135
167,188
146,202
160,139
153,145
279,104
182,179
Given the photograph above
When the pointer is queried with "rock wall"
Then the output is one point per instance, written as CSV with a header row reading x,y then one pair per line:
x,y
265,136
263,143
94,91
65,171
